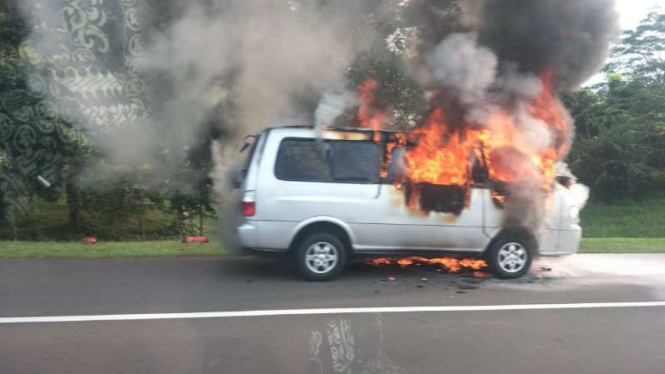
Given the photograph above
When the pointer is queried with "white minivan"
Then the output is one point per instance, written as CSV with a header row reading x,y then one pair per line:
x,y
324,196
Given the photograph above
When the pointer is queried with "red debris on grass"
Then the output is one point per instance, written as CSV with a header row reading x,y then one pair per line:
x,y
196,239
89,240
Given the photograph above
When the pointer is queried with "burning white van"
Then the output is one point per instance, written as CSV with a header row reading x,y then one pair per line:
x,y
325,196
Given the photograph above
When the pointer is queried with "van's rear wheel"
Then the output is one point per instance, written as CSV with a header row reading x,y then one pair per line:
x,y
510,257
320,257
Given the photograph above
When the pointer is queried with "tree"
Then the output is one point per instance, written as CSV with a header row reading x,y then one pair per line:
x,y
620,124
641,52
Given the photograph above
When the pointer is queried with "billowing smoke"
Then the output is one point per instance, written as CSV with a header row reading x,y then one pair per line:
x,y
261,62
460,64
240,65
495,68
332,105
572,37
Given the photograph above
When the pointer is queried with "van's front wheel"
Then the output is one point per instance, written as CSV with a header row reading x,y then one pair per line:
x,y
320,257
510,257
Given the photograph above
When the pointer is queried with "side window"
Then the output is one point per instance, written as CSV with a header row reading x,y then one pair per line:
x,y
332,161
303,160
358,162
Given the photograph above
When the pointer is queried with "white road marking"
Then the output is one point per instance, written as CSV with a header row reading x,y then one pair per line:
x,y
300,312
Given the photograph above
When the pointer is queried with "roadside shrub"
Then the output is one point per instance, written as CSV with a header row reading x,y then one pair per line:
x,y
615,164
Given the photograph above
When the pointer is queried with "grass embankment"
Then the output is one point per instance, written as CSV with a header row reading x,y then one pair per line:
x,y
625,219
623,245
45,232
622,227
163,248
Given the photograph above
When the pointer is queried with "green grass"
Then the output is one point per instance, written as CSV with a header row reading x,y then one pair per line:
x,y
624,226
10,249
625,219
623,245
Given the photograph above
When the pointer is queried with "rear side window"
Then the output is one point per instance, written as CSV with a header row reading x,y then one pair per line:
x,y
333,161
357,162
303,160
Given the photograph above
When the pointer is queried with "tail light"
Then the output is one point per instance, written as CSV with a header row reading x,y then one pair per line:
x,y
248,204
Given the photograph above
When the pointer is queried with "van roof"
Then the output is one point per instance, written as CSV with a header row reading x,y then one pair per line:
x,y
330,128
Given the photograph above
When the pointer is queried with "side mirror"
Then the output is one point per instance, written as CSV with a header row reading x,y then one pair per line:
x,y
247,143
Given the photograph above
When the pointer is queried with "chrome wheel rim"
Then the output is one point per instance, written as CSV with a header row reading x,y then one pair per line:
x,y
321,257
512,257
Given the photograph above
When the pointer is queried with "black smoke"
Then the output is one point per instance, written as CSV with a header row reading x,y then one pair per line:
x,y
572,37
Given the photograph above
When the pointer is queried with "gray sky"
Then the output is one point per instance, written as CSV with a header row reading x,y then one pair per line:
x,y
632,11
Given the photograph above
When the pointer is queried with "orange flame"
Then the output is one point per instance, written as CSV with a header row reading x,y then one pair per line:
x,y
380,261
405,262
368,116
445,151
451,263
441,156
370,113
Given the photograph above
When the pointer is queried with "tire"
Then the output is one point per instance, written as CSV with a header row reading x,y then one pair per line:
x,y
510,256
320,257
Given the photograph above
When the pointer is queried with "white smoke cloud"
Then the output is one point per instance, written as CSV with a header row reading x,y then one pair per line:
x,y
242,65
459,63
332,105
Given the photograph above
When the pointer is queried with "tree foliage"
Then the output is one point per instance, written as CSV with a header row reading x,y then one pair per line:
x,y
38,141
641,52
620,124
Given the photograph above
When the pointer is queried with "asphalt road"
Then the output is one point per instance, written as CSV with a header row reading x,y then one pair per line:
x,y
550,340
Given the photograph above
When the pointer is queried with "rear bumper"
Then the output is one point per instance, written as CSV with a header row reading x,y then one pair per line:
x,y
563,242
569,240
248,234
270,236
